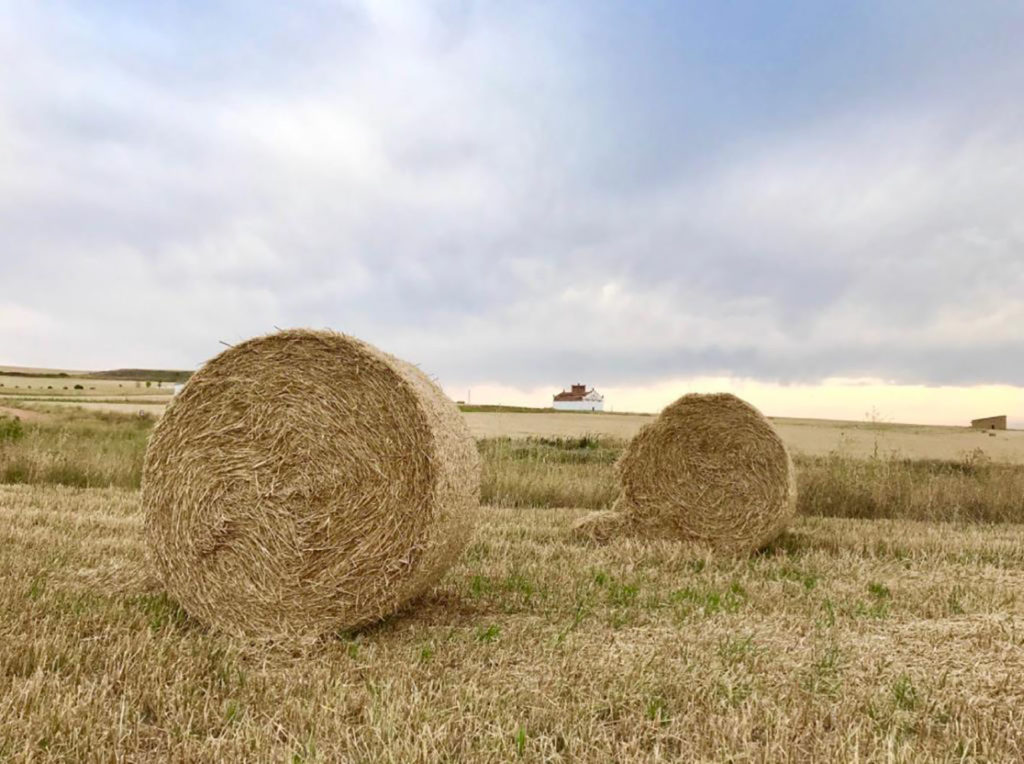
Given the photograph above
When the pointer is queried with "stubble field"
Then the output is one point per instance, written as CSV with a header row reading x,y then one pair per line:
x,y
886,625
812,437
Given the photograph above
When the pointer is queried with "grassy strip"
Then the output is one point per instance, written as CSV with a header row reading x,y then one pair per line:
x,y
78,447
549,472
578,473
973,489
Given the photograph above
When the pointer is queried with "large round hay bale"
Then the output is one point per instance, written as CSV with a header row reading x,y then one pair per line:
x,y
306,482
709,469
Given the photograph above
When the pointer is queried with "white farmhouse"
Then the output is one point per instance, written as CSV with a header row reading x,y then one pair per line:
x,y
578,399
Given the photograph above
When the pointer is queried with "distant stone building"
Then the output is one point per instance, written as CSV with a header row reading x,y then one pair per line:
x,y
989,423
578,399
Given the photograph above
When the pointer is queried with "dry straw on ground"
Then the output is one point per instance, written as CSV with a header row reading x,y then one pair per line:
x,y
710,469
306,482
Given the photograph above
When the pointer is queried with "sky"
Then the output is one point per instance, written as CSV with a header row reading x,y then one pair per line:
x,y
815,205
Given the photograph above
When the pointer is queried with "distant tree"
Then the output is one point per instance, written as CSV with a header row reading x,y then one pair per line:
x,y
77,387
148,383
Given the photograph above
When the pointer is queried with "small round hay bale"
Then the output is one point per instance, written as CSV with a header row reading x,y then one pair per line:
x,y
709,469
306,482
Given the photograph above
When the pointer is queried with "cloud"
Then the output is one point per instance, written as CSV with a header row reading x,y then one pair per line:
x,y
517,197
18,320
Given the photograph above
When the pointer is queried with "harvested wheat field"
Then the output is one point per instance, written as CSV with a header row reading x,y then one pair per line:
x,y
812,437
848,639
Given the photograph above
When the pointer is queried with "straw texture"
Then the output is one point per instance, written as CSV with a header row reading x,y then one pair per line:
x,y
306,482
709,469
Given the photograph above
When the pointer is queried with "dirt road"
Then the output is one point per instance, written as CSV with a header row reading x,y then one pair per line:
x,y
23,414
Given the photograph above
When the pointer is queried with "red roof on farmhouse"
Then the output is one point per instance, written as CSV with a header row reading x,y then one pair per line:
x,y
577,393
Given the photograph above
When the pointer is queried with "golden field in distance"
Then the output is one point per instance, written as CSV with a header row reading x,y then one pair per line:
x,y
812,437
